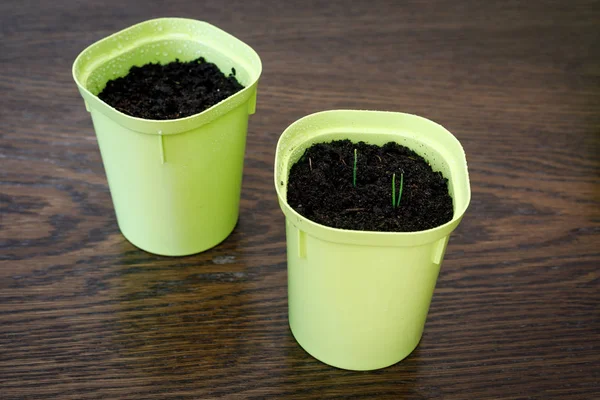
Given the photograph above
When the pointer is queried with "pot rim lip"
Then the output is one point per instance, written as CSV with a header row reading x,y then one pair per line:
x,y
368,238
166,127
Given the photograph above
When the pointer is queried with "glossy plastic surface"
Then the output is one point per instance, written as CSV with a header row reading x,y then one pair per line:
x,y
359,300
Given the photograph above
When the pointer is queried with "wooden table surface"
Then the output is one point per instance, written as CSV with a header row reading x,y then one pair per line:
x,y
86,315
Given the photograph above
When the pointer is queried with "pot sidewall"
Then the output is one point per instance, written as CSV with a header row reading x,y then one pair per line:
x,y
359,300
175,184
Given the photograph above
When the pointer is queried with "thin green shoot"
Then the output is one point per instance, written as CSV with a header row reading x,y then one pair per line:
x,y
400,190
394,190
395,203
354,169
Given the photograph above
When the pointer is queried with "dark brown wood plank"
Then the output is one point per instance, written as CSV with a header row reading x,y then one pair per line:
x,y
86,315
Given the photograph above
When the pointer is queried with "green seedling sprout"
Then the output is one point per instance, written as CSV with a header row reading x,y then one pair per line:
x,y
354,170
400,190
394,190
394,203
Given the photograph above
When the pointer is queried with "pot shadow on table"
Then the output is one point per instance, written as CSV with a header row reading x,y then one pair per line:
x,y
216,323
205,321
307,377
179,317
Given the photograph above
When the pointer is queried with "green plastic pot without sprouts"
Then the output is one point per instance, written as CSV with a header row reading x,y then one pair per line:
x,y
175,184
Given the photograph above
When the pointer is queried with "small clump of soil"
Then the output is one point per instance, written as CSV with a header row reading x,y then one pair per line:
x,y
321,188
174,90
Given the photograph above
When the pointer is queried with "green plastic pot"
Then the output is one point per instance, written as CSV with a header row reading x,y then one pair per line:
x,y
359,300
175,184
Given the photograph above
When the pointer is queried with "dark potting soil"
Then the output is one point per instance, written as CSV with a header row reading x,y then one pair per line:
x,y
174,90
321,188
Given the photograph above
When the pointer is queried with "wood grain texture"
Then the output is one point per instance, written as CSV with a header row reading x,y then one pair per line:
x,y
86,315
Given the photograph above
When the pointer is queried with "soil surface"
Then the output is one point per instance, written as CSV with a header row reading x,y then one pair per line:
x,y
321,188
170,91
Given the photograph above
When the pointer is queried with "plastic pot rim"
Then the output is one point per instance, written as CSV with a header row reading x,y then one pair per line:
x,y
170,126
365,238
